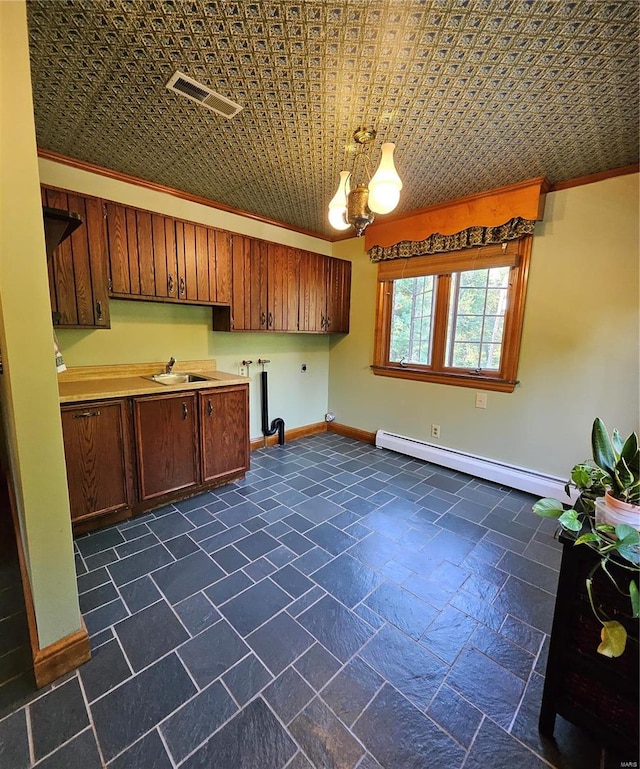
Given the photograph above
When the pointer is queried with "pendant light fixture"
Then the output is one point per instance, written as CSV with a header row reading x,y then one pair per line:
x,y
355,206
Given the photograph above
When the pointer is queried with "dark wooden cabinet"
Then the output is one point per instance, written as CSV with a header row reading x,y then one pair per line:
x,y
98,452
240,317
597,693
78,281
167,440
256,287
158,258
220,245
280,288
338,296
252,284
325,293
224,427
128,455
283,293
313,291
142,254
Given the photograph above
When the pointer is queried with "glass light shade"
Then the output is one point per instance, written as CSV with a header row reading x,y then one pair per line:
x,y
385,186
338,204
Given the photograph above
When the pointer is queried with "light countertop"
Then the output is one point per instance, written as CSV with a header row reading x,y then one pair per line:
x,y
120,381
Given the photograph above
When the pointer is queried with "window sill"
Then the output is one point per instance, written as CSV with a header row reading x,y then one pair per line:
x,y
456,380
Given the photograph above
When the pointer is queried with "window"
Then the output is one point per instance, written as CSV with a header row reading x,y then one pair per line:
x,y
453,318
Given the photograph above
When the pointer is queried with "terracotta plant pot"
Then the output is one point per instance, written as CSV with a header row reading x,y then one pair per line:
x,y
615,511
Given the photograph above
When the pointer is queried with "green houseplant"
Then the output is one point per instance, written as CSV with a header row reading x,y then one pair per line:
x,y
606,517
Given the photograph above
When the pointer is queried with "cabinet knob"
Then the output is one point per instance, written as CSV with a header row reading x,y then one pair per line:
x,y
270,323
185,411
181,288
171,284
263,319
209,407
327,322
98,310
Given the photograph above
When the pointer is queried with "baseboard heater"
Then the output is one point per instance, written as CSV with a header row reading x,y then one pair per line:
x,y
499,472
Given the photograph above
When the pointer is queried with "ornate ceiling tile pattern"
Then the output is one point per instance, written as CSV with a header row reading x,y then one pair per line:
x,y
475,93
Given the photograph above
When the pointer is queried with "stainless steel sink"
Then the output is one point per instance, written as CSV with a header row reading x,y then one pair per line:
x,y
178,378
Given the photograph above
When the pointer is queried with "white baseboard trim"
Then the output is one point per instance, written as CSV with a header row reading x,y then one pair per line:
x,y
490,469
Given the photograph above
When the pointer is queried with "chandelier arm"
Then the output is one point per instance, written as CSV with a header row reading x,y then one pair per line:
x,y
364,156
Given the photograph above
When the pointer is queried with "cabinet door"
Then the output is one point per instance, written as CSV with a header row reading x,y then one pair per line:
x,y
142,253
222,250
313,291
78,267
163,256
282,274
338,296
122,244
98,449
257,285
240,306
166,428
224,420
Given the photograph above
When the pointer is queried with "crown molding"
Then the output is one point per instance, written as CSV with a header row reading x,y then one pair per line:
x,y
83,165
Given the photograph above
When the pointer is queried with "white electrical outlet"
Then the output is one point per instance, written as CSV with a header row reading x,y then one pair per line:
x,y
242,370
435,431
481,400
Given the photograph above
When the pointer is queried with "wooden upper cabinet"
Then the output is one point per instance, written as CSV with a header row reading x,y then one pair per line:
x,y
257,286
159,258
325,293
78,267
313,291
240,298
164,256
283,295
142,253
252,284
223,275
338,296
249,265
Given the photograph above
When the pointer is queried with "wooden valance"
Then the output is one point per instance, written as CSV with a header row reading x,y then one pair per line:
x,y
524,201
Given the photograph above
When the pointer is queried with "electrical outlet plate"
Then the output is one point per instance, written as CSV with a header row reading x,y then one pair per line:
x,y
435,431
242,370
481,400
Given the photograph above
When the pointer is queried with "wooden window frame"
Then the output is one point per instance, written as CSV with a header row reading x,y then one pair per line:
x,y
516,254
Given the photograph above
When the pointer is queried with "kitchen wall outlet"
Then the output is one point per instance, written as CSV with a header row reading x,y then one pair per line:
x,y
481,400
435,431
242,370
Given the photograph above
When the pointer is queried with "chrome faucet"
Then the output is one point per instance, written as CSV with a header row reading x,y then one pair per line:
x,y
170,365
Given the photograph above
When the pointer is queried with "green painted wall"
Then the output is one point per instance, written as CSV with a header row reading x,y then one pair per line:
x,y
28,387
579,356
151,331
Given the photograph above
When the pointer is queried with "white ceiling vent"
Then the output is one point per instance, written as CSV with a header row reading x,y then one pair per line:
x,y
199,93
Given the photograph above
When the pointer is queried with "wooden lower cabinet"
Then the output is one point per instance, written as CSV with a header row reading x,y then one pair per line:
x,y
224,426
98,450
128,455
166,430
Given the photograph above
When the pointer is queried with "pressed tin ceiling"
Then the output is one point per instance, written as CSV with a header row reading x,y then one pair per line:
x,y
476,94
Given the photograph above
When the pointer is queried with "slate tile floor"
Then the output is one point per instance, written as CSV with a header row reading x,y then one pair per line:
x,y
341,607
